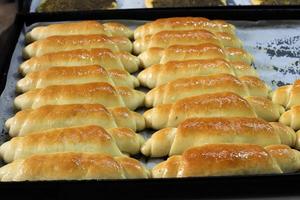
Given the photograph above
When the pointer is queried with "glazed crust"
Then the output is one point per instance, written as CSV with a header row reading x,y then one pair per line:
x,y
98,92
222,104
159,74
229,159
81,57
288,95
154,56
92,139
63,116
165,39
78,28
183,23
73,42
75,75
233,130
197,85
73,166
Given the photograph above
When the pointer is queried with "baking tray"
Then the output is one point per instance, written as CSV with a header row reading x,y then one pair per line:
x,y
238,186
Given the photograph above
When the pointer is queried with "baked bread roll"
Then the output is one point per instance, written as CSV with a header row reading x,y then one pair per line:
x,y
78,28
99,92
223,104
288,95
192,52
73,42
103,57
76,75
183,23
165,39
200,131
160,74
73,166
92,139
228,160
63,116
197,85
291,117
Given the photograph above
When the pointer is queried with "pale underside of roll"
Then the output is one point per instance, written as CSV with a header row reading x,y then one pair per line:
x,y
291,117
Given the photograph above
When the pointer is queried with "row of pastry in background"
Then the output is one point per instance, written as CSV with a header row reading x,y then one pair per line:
x,y
206,122
77,5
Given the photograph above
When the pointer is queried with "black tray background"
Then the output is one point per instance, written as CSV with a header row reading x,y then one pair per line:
x,y
230,186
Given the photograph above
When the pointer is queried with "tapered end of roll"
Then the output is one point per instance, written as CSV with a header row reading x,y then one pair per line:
x,y
6,152
138,46
117,29
140,121
133,168
131,63
286,118
24,68
22,102
136,82
158,117
23,85
150,57
148,77
150,98
281,95
28,38
123,43
148,118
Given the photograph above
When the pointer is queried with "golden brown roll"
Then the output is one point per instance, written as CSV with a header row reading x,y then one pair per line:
x,y
159,74
233,130
63,116
92,139
76,75
97,92
288,95
223,104
103,57
73,42
73,166
197,85
291,117
183,23
192,52
79,28
165,39
228,160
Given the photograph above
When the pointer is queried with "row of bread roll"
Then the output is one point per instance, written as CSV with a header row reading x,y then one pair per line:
x,y
79,28
62,123
222,104
81,57
165,39
76,75
206,160
195,132
93,93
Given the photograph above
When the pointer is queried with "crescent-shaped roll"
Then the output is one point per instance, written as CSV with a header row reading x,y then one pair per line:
x,y
72,42
291,117
165,39
288,95
79,28
183,23
197,85
229,160
160,74
232,130
265,108
63,116
73,166
97,92
76,75
154,56
81,57
223,104
92,139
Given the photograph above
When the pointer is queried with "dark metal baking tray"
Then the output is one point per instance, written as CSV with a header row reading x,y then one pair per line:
x,y
229,186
